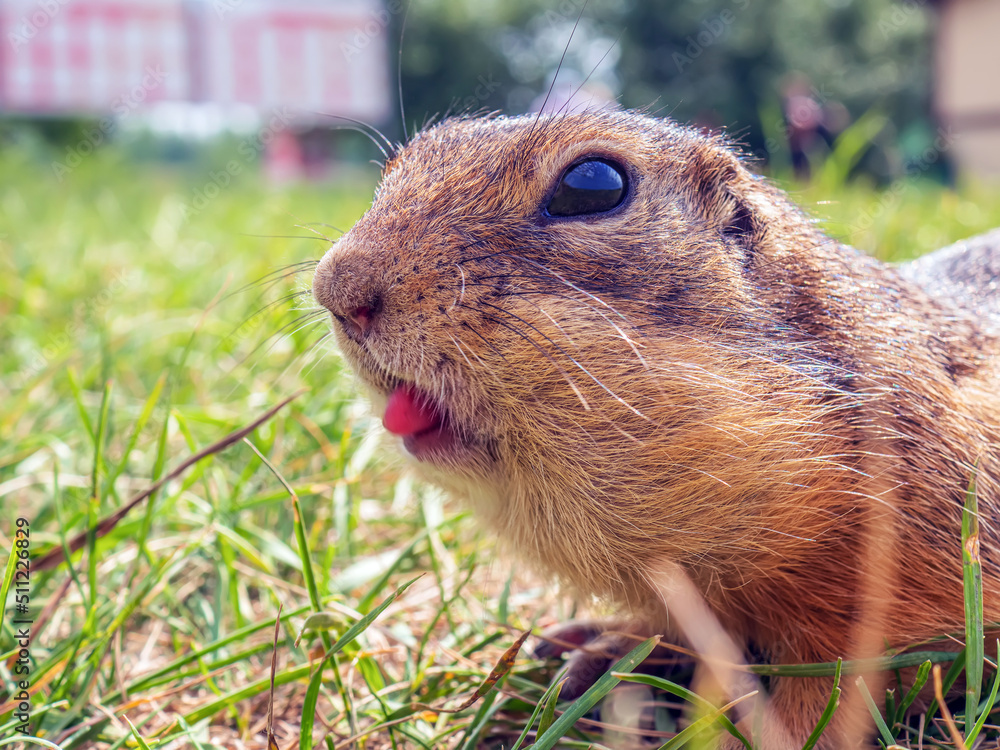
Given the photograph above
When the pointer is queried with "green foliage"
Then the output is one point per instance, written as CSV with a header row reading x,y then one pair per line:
x,y
706,61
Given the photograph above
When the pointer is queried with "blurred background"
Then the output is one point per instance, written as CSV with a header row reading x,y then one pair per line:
x,y
170,79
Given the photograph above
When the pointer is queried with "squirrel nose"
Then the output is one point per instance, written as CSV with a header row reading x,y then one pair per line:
x,y
358,321
349,285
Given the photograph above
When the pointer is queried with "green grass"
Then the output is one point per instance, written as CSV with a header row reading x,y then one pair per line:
x,y
134,335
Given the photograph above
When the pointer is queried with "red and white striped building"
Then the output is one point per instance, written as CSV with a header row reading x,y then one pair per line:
x,y
109,57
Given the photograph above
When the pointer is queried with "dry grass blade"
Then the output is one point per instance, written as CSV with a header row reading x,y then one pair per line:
x,y
56,556
945,713
503,666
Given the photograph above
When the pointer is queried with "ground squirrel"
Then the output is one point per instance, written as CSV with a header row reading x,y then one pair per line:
x,y
630,354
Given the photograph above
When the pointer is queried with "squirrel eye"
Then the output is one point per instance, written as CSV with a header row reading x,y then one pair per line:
x,y
589,187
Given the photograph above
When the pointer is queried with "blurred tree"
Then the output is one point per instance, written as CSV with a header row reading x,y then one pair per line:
x,y
719,63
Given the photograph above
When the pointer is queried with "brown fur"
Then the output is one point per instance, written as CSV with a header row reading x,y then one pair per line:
x,y
699,376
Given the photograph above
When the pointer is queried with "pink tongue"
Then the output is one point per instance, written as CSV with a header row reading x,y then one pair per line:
x,y
409,412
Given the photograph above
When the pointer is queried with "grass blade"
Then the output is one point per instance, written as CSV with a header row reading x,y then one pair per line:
x,y
137,428
923,672
972,574
824,720
8,577
987,708
361,625
883,728
593,696
699,726
549,714
949,679
691,697
309,710
54,557
550,696
970,738
250,690
487,708
135,733
859,666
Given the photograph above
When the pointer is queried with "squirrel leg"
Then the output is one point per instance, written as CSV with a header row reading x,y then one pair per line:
x,y
593,647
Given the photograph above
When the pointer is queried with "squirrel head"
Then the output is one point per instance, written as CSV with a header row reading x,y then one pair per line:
x,y
536,305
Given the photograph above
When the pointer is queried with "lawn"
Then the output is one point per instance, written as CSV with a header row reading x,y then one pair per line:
x,y
147,314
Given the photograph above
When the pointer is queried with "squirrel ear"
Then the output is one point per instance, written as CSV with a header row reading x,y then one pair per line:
x,y
744,227
716,173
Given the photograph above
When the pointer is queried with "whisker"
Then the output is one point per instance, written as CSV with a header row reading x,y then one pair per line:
x,y
367,130
486,368
555,76
596,299
562,351
520,276
271,278
549,357
466,324
310,318
479,257
461,350
280,236
290,297
313,316
621,334
593,70
310,350
399,72
316,346
310,224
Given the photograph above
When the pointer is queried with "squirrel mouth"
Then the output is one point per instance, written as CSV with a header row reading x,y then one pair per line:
x,y
413,416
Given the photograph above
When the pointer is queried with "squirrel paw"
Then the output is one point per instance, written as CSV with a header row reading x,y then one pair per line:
x,y
593,647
